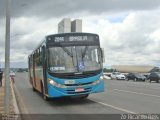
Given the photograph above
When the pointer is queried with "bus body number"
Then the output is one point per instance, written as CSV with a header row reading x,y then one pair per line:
x,y
69,82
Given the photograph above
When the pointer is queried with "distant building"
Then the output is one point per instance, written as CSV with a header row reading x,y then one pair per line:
x,y
76,25
133,68
66,25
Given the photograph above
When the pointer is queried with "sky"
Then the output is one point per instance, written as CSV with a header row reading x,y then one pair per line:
x,y
129,30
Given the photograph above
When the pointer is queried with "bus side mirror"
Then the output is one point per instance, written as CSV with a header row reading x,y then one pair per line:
x,y
103,57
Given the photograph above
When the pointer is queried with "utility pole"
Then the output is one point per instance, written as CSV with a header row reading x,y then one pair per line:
x,y
7,58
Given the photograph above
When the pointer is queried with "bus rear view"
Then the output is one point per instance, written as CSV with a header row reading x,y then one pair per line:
x,y
71,65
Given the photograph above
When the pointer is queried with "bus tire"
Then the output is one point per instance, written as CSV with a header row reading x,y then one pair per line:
x,y
45,97
43,93
33,89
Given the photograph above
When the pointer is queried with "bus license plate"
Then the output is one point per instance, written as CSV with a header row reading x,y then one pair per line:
x,y
79,89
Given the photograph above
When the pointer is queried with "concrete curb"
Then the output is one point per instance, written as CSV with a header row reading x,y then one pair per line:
x,y
15,105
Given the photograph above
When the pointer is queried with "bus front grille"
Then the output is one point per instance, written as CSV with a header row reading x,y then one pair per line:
x,y
79,84
76,76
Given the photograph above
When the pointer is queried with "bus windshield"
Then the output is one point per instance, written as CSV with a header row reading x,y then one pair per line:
x,y
74,59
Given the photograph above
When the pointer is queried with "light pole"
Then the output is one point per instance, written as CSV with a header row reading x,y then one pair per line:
x,y
7,58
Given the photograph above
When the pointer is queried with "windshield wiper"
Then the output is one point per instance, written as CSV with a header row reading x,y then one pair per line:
x,y
67,51
84,53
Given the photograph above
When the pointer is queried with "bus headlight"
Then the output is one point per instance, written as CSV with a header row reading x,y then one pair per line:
x,y
102,77
98,81
52,82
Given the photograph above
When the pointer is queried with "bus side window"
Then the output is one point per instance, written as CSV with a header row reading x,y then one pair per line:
x,y
37,58
40,56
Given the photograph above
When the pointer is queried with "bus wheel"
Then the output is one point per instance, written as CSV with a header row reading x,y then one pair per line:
x,y
44,96
33,89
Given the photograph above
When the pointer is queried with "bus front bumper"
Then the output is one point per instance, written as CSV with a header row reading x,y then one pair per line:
x,y
72,91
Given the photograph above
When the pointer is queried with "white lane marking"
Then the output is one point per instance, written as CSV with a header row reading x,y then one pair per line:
x,y
114,107
137,93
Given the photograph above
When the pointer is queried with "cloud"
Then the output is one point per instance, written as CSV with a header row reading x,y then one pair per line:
x,y
59,8
27,32
134,40
129,30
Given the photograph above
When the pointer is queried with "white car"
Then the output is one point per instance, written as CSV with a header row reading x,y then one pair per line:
x,y
117,76
106,77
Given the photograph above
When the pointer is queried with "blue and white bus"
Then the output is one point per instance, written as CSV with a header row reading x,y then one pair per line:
x,y
67,64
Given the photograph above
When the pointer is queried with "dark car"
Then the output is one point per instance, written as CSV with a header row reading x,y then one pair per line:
x,y
135,77
154,76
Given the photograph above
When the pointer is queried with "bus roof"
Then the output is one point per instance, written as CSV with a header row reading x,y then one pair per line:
x,y
71,33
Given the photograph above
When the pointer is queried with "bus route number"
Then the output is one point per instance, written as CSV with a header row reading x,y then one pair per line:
x,y
59,39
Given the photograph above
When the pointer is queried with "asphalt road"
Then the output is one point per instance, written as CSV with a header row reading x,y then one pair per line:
x,y
119,97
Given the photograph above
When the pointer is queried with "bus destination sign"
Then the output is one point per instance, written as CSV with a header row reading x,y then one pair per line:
x,y
70,38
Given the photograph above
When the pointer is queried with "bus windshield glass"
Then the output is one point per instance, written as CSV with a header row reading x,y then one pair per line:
x,y
74,59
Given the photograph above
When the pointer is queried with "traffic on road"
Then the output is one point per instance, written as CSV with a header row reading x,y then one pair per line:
x,y
119,97
144,77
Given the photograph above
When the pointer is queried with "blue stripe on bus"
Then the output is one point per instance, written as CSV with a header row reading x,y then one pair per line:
x,y
82,80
